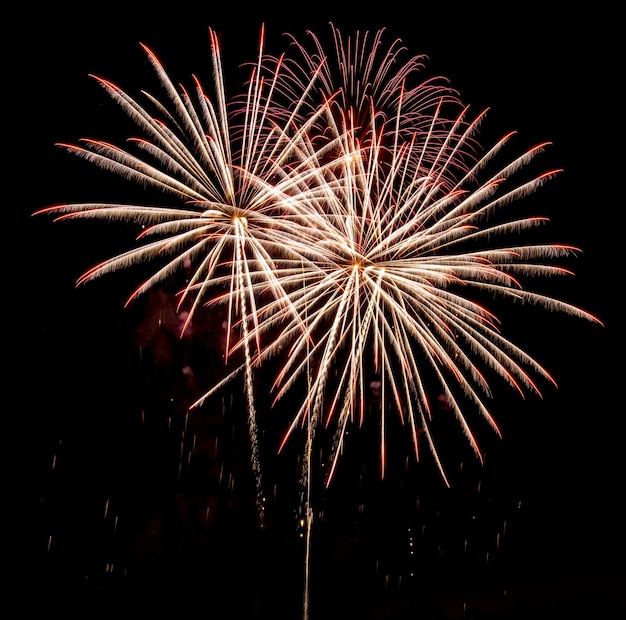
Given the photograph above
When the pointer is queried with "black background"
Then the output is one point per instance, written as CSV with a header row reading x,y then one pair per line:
x,y
557,475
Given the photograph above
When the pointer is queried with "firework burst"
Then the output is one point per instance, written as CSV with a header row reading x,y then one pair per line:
x,y
394,260
348,219
208,157
353,226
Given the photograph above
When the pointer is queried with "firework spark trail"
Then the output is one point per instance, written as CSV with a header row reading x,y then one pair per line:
x,y
249,381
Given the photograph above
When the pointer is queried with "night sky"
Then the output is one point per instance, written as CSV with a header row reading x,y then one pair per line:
x,y
117,517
